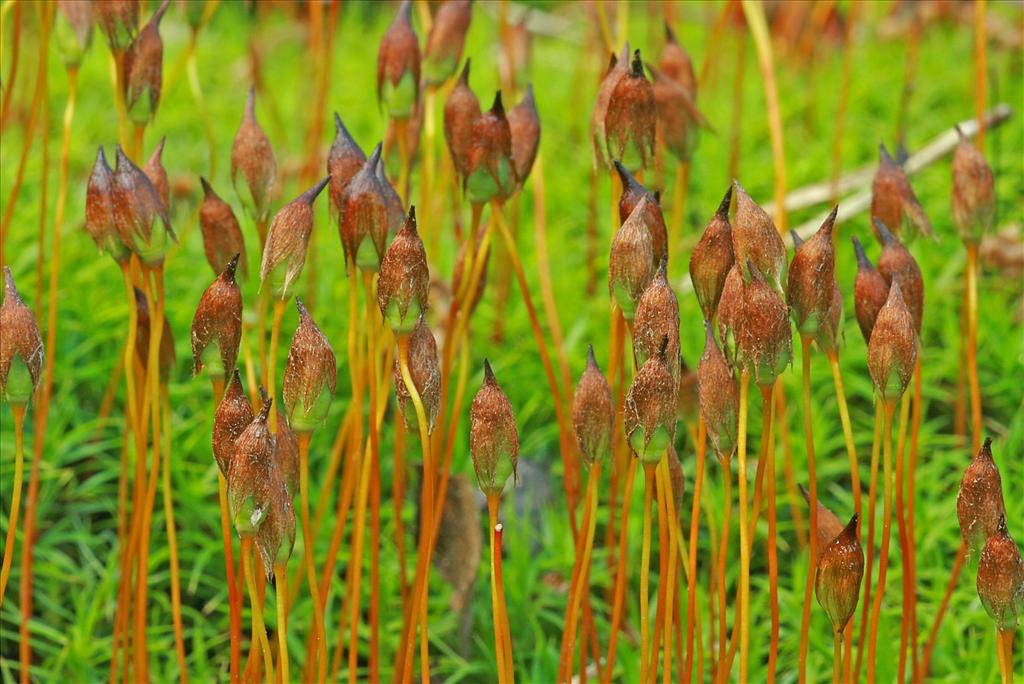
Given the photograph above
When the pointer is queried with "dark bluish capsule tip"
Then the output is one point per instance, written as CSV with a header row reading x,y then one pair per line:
x,y
863,263
723,207
887,237
229,272
670,36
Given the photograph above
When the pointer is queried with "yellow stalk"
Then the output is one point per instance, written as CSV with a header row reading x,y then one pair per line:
x,y
19,469
281,599
754,13
307,536
172,537
743,609
259,630
670,581
645,571
868,564
844,419
270,369
499,638
883,557
420,591
812,504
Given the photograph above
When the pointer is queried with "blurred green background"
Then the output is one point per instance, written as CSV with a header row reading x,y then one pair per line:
x,y
75,568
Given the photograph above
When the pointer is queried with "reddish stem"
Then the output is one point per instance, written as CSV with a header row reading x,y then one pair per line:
x,y
620,573
691,592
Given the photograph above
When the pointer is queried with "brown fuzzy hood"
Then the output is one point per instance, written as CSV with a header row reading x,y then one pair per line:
x,y
218,320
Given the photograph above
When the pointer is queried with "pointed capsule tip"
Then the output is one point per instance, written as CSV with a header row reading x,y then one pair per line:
x,y
464,76
250,104
798,241
887,237
637,67
670,36
591,359
489,373
265,409
883,154
229,272
863,263
902,154
895,293
498,108
723,206
663,349
207,189
624,175
754,271
709,334
830,220
410,219
159,14
310,195
9,286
